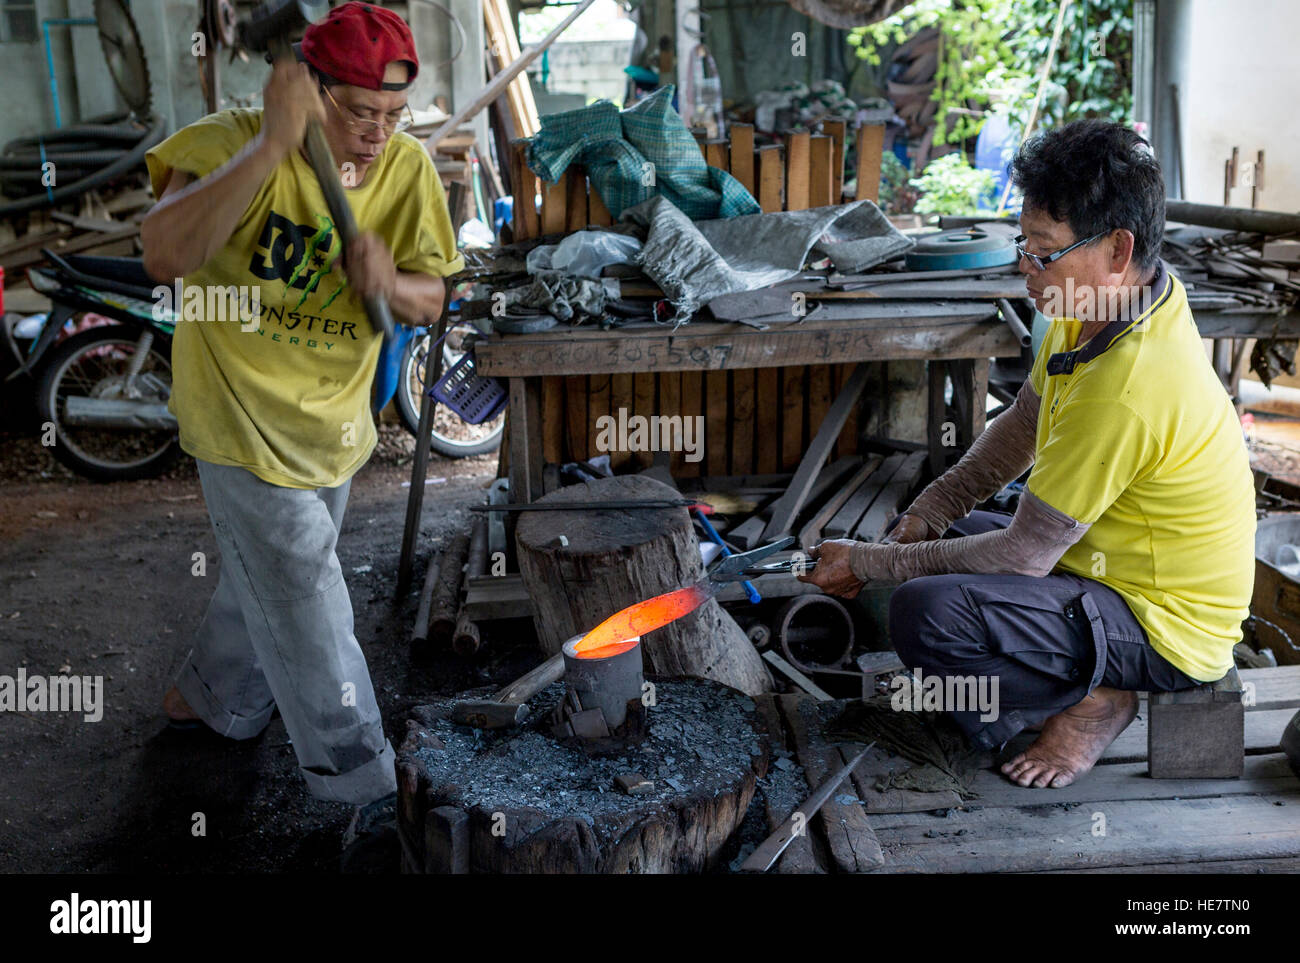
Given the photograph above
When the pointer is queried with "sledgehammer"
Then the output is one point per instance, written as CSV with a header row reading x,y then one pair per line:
x,y
507,708
268,28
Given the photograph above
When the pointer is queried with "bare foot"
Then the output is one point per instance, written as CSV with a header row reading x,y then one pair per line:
x,y
176,707
1073,740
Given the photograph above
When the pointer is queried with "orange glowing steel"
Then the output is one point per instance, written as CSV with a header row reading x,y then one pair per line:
x,y
620,631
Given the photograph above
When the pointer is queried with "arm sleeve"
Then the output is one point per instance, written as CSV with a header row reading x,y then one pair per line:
x,y
1031,545
999,455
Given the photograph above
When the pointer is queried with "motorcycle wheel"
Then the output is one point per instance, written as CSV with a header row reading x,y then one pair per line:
x,y
451,436
94,363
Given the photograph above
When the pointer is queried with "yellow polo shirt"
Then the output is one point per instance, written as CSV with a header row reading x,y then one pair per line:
x,y
285,392
1137,437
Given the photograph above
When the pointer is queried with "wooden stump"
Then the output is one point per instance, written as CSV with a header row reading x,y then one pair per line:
x,y
519,801
615,557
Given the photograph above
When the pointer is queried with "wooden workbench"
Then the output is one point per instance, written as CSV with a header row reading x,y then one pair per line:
x,y
762,392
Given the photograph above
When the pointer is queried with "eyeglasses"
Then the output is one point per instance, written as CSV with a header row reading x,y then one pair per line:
x,y
359,125
1040,261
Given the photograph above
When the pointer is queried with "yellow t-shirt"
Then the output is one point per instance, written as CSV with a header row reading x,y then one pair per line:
x,y
1137,437
286,392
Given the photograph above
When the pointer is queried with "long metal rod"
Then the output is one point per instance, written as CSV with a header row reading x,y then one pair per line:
x,y
1231,218
763,858
502,80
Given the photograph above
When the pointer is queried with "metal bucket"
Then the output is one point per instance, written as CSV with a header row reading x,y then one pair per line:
x,y
605,684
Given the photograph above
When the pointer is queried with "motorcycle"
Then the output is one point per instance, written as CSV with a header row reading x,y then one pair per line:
x,y
104,390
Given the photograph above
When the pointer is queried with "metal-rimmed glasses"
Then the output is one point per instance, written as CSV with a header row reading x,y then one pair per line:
x,y
359,125
1040,261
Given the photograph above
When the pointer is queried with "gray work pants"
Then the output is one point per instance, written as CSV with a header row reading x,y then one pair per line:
x,y
278,633
1049,641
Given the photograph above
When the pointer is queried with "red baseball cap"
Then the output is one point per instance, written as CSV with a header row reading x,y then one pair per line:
x,y
356,41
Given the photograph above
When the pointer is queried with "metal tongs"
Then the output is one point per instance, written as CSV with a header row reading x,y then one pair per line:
x,y
741,567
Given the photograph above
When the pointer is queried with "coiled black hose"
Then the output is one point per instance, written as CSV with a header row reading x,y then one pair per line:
x,y
125,161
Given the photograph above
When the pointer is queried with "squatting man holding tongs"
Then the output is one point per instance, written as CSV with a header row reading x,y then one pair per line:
x,y
1128,565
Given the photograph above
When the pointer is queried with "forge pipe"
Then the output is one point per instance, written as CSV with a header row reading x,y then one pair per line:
x,y
815,632
605,683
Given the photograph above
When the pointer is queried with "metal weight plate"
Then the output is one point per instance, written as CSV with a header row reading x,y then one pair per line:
x,y
967,247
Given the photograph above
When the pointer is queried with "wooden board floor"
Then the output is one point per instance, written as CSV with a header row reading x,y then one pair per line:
x,y
1114,819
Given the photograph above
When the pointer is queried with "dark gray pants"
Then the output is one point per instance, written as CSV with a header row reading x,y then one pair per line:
x,y
1047,641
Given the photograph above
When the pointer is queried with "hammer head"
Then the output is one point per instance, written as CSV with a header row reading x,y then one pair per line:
x,y
489,714
277,20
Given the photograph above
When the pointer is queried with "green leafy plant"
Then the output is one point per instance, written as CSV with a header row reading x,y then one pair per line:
x,y
992,51
897,195
949,185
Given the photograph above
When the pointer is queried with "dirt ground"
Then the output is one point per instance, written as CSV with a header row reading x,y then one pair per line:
x,y
96,580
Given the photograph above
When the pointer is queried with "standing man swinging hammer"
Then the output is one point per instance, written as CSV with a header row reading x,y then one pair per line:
x,y
276,412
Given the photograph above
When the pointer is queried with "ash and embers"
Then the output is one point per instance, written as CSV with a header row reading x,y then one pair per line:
x,y
701,740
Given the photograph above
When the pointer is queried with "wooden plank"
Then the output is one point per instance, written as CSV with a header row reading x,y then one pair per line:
x,y
819,395
575,202
848,440
554,197
846,519
891,499
792,412
598,390
527,223
871,145
852,843
811,533
1263,774
771,178
597,213
644,394
742,421
716,408
716,154
767,424
836,129
521,483
791,503
553,424
670,406
692,405
820,179
925,332
622,402
797,170
576,417
742,155
1051,837
799,856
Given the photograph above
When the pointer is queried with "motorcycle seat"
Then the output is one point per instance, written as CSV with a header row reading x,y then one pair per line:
x,y
123,270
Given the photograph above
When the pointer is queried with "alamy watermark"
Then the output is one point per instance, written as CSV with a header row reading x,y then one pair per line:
x,y
1089,303
57,693
922,692
209,302
671,433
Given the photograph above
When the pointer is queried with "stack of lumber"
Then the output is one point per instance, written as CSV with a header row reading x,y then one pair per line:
x,y
503,46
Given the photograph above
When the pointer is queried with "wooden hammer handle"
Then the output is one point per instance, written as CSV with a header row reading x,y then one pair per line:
x,y
322,164
533,682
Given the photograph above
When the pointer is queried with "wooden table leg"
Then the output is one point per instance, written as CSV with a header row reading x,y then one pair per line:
x,y
420,466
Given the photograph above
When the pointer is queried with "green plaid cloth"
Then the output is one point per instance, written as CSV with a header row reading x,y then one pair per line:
x,y
636,154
